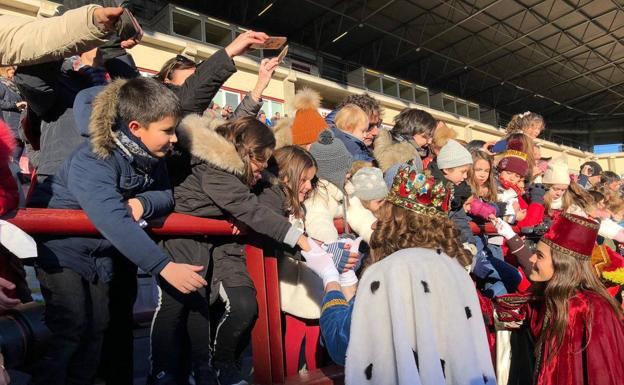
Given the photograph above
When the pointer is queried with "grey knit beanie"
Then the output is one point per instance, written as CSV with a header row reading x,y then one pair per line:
x,y
452,155
332,157
369,184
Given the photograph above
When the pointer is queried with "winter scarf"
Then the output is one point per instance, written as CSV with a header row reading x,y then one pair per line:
x,y
134,150
8,83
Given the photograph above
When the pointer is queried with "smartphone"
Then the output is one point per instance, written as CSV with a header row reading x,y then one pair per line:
x,y
282,55
128,27
273,42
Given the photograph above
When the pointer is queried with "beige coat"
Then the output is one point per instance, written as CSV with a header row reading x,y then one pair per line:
x,y
26,41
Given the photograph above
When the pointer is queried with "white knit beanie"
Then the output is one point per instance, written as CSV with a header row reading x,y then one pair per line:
x,y
557,173
452,155
368,183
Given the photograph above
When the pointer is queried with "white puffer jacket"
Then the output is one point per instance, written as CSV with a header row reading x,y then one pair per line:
x,y
326,204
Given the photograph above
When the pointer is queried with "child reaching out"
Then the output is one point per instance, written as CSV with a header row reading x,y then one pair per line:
x,y
512,169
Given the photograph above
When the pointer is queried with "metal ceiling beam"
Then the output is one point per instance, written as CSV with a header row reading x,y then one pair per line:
x,y
558,56
469,17
525,35
602,89
415,44
500,22
362,20
579,74
431,11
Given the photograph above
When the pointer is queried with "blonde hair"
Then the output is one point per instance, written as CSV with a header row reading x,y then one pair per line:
x,y
349,117
4,71
441,135
358,164
523,121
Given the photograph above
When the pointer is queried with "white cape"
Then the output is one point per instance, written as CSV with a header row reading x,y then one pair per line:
x,y
417,320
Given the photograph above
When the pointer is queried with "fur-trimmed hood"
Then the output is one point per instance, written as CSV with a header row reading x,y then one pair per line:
x,y
388,153
197,134
104,118
283,132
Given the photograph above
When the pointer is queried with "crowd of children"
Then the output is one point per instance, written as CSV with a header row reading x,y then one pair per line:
x,y
413,288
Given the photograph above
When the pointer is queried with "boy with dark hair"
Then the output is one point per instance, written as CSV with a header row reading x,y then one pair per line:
x,y
119,178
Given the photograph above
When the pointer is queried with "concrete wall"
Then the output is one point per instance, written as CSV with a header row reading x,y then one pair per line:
x,y
156,48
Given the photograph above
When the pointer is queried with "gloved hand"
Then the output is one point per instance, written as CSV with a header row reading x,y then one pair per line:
x,y
348,278
536,193
355,248
503,228
343,254
611,230
480,209
321,262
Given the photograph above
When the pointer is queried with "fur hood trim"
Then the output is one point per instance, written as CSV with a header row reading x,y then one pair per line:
x,y
104,118
198,135
388,153
306,99
283,132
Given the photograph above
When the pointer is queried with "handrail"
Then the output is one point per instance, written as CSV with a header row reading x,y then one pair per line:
x,y
267,333
60,221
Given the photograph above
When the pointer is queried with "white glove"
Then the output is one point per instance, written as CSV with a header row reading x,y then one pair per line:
x,y
609,228
348,278
354,243
503,228
321,262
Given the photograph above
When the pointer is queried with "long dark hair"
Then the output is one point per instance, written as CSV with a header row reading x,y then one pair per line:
x,y
290,163
253,141
570,276
176,63
490,183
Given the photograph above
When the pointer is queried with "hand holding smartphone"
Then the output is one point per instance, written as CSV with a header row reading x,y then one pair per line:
x,y
128,27
273,42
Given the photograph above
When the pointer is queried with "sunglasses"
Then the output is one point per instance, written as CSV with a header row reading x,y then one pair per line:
x,y
180,61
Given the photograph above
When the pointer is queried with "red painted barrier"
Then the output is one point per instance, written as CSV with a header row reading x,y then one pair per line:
x,y
267,335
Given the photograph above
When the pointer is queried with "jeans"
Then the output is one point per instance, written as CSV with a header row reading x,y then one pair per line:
x,y
77,315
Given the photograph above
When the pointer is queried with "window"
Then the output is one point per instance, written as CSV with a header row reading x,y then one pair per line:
x,y
218,34
224,97
232,98
271,107
186,25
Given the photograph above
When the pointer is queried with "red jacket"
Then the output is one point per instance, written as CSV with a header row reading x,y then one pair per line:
x,y
9,197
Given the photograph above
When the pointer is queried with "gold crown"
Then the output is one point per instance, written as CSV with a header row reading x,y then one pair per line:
x,y
420,192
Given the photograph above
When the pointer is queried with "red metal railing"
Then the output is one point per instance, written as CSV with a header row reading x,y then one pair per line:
x,y
267,335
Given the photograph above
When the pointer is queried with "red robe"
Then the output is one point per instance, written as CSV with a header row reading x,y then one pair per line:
x,y
601,362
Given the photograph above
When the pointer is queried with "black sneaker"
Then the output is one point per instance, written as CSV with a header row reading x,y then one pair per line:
x,y
229,373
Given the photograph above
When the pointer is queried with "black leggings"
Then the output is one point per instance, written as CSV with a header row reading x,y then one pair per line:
x,y
234,328
181,321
